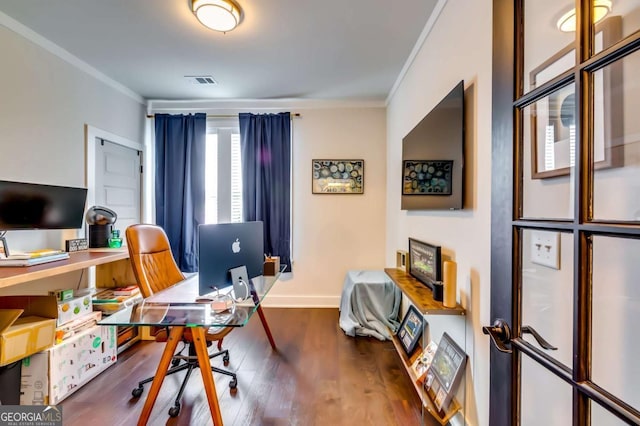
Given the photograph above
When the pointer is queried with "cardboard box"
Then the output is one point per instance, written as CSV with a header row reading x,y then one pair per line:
x,y
27,326
65,294
34,380
69,310
68,366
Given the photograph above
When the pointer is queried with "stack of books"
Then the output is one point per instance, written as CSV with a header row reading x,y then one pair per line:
x,y
131,290
108,302
36,257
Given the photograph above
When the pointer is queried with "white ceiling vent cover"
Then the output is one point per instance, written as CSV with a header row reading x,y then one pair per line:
x,y
201,79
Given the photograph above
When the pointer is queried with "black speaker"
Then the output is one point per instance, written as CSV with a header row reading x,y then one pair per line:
x,y
99,235
438,291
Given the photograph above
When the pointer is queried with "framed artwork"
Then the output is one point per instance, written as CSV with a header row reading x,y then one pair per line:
x,y
553,128
337,176
425,262
410,330
445,373
427,177
422,363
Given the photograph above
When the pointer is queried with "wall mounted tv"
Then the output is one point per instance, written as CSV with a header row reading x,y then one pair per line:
x,y
33,206
433,157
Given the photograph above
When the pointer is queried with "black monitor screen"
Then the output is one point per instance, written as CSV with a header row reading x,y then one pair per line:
x,y
33,206
433,157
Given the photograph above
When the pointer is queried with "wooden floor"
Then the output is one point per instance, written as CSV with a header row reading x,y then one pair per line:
x,y
318,376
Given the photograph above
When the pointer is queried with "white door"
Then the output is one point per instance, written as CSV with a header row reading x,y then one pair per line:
x,y
118,182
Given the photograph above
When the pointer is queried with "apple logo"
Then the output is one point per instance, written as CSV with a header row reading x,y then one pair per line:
x,y
235,247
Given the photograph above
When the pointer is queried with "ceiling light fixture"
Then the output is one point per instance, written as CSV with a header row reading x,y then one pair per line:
x,y
219,15
601,8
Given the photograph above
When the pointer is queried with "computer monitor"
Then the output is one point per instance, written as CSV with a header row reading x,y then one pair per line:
x,y
34,206
225,246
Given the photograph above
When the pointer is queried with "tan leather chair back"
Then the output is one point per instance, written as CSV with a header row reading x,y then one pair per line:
x,y
151,258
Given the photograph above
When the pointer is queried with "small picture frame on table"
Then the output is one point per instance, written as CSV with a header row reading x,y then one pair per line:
x,y
410,330
4,249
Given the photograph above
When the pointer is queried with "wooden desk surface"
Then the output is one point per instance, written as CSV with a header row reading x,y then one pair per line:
x,y
10,276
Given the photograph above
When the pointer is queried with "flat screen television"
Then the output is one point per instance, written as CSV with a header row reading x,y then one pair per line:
x,y
433,157
35,206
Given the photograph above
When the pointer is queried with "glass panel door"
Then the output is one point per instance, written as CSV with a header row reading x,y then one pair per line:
x,y
566,221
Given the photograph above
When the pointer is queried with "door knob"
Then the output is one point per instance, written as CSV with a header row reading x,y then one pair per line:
x,y
538,337
500,334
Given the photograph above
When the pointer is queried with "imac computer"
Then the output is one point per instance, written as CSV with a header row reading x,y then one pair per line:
x,y
223,247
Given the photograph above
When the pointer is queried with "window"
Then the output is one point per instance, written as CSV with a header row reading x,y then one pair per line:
x,y
223,176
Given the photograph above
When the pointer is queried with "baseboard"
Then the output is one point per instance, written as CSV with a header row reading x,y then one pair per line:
x,y
277,301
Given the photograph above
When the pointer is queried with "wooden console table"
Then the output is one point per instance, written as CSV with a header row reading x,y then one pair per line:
x,y
422,298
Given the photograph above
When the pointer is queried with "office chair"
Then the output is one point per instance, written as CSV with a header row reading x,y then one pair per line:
x,y
155,269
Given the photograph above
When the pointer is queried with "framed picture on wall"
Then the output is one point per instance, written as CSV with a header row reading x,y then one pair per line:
x,y
337,176
553,129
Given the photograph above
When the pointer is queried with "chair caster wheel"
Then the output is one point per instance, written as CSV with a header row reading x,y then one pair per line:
x,y
233,384
137,392
175,362
174,411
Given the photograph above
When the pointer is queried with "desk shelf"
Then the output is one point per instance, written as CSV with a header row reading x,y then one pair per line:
x,y
10,276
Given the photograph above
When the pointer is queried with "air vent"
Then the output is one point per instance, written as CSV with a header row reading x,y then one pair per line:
x,y
201,79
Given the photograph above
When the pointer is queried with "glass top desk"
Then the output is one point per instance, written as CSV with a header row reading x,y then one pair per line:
x,y
176,307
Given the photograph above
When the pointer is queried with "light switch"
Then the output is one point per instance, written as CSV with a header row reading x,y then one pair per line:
x,y
545,248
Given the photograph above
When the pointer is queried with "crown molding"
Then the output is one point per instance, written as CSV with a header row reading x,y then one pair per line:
x,y
37,39
226,105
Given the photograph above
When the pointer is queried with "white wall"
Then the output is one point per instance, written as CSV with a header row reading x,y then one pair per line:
x,y
335,233
457,48
45,105
332,233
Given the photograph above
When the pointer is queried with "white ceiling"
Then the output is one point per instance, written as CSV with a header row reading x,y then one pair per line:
x,y
307,49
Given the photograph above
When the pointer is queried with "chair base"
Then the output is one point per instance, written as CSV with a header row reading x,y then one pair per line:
x,y
190,364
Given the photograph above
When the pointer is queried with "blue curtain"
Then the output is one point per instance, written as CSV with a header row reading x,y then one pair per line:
x,y
180,161
265,142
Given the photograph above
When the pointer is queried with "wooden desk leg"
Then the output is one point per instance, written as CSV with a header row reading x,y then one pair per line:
x,y
263,319
200,343
169,349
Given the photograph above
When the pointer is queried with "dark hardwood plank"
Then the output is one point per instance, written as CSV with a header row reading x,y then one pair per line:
x,y
318,376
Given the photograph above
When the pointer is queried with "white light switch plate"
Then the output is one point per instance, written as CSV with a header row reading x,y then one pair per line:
x,y
545,248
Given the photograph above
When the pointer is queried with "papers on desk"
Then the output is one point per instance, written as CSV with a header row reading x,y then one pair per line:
x,y
33,258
